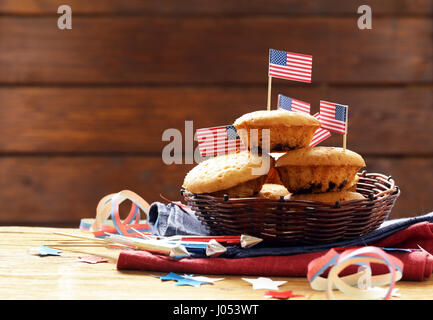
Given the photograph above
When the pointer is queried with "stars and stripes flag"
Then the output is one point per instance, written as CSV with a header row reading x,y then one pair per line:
x,y
291,66
291,104
218,140
320,134
333,117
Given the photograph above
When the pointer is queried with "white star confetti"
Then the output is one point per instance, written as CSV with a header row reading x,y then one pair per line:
x,y
264,283
202,278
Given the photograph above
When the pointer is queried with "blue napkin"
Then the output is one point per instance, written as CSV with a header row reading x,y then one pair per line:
x,y
385,230
169,220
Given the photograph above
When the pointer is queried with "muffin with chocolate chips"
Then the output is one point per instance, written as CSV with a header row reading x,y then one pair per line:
x,y
237,175
329,197
319,169
287,130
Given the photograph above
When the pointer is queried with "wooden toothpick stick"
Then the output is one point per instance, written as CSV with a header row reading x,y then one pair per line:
x,y
347,127
269,93
79,236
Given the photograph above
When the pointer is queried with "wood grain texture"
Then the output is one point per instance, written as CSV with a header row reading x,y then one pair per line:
x,y
211,7
66,189
77,120
83,111
24,276
224,50
59,191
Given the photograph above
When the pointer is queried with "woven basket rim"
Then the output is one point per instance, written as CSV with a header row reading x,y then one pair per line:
x,y
299,221
387,183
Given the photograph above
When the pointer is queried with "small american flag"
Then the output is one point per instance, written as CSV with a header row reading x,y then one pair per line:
x,y
291,66
291,104
218,140
320,134
333,117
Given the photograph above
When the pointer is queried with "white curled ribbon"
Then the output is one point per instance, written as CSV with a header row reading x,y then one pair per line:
x,y
108,206
360,285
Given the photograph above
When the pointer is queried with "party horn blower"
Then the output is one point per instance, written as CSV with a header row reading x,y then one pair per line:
x,y
174,250
211,248
244,240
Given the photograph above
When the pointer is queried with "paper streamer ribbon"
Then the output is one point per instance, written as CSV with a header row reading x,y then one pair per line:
x,y
108,206
360,285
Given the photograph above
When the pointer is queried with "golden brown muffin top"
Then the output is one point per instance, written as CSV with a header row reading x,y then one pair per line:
x,y
276,117
329,197
223,172
273,191
325,156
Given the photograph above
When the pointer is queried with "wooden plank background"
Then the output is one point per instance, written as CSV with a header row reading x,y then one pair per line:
x,y
82,111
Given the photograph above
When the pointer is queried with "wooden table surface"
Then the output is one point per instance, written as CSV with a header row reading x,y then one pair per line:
x,y
25,276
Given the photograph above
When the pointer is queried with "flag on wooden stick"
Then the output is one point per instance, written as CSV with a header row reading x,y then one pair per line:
x,y
320,134
290,66
219,140
294,105
333,117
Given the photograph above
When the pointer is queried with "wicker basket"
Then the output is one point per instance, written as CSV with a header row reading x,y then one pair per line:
x,y
299,221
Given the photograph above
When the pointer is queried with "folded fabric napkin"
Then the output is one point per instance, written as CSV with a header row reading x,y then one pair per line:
x,y
169,220
265,260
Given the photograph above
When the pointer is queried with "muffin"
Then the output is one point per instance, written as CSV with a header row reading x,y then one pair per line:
x,y
319,169
273,177
329,197
288,130
273,191
354,184
237,175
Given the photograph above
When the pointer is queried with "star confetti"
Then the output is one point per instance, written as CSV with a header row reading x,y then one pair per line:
x,y
202,278
190,282
264,283
182,281
170,276
92,259
282,295
44,251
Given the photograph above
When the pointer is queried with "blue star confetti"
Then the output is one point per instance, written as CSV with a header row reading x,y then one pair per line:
x,y
190,282
44,251
171,276
182,281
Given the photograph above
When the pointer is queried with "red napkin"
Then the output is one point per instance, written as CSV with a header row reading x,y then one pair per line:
x,y
418,265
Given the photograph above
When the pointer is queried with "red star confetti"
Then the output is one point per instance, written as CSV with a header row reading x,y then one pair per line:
x,y
282,295
91,259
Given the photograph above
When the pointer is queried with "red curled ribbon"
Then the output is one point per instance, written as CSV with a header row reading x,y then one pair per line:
x,y
359,285
108,207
